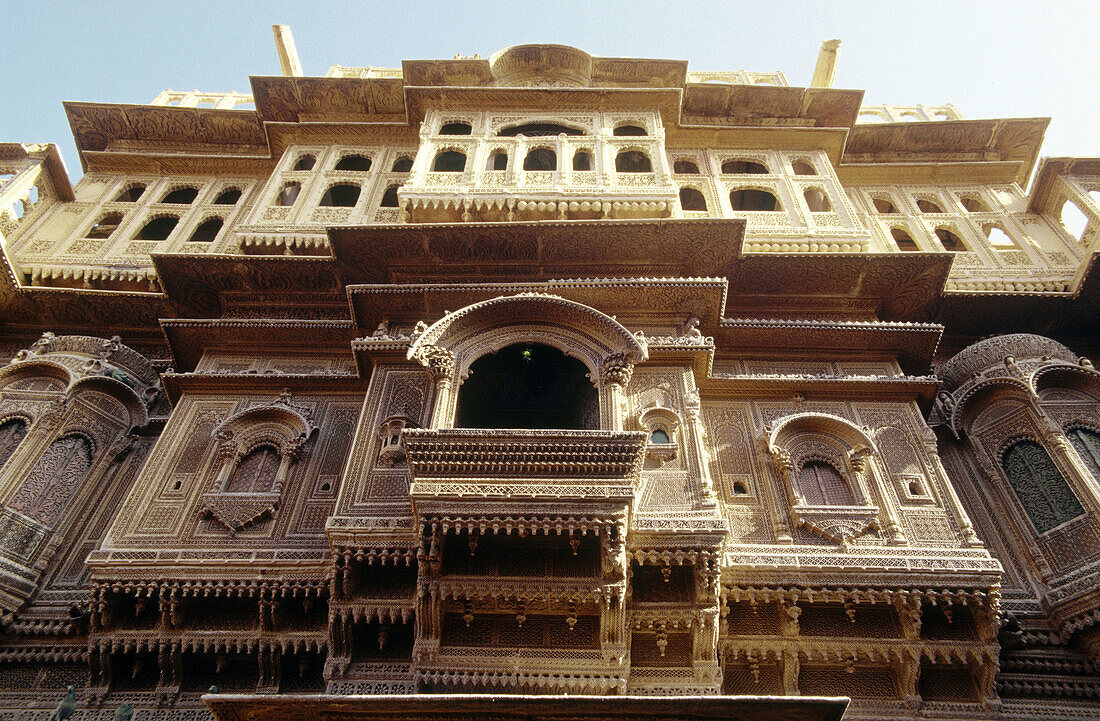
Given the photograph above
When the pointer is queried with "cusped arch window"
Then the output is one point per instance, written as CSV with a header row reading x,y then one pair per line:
x,y
389,198
229,196
449,161
106,225
341,196
528,386
817,201
928,206
354,163
692,199
158,228
950,241
540,159
884,205
1043,492
497,161
582,160
821,484
538,130
305,162
256,472
54,478
131,194
633,161
974,205
753,200
803,167
288,194
12,432
402,165
181,196
904,241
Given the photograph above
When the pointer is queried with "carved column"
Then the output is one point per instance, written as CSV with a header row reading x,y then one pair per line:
x,y
440,363
693,405
616,372
861,468
784,465
1065,457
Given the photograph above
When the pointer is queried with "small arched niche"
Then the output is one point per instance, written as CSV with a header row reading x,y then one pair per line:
x,y
528,385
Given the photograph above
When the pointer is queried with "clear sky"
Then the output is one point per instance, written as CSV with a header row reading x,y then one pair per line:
x,y
992,59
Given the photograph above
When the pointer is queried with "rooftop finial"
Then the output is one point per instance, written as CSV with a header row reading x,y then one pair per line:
x,y
825,70
288,54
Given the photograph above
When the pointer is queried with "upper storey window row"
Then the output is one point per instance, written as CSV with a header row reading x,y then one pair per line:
x,y
729,163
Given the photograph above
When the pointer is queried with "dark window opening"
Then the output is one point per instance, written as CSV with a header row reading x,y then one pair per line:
x,y
389,198
882,205
817,201
753,200
538,130
743,167
305,162
449,161
181,196
12,431
288,194
540,159
255,473
692,199
355,163
228,197
685,167
973,205
822,485
629,130
1043,491
801,167
158,228
903,239
498,161
950,241
341,196
402,165
739,488
582,160
660,437
207,231
528,386
131,194
633,161
927,206
455,129
104,226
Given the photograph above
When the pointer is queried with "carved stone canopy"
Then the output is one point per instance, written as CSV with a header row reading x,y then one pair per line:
x,y
992,352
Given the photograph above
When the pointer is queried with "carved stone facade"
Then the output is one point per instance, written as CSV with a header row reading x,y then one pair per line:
x,y
736,428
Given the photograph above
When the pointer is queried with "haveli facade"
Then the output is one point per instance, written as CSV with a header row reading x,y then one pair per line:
x,y
549,374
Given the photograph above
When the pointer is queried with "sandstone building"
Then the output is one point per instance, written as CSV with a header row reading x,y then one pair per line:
x,y
549,374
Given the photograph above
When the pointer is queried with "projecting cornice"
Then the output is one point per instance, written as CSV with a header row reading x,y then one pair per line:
x,y
190,338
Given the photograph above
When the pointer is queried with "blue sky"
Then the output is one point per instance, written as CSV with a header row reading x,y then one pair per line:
x,y
992,59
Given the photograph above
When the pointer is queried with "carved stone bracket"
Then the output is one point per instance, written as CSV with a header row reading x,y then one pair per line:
x,y
840,524
237,511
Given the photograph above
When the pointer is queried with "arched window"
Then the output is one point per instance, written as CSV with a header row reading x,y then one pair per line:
x,y
582,160
903,239
660,436
629,130
229,196
822,485
54,478
104,226
883,205
1074,219
131,194
181,196
389,198
207,231
528,386
1043,492
692,199
743,167
255,473
801,167
288,194
685,167
538,130
540,159
998,238
927,206
12,431
1087,443
950,241
973,205
753,199
449,161
402,165
354,163
341,196
633,161
455,129
817,201
498,161
305,162
158,228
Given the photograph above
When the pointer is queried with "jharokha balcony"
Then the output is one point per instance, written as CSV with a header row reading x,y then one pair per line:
x,y
524,465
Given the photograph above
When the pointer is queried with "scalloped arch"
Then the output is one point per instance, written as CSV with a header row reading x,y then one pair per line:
x,y
842,428
239,423
983,390
139,414
35,367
